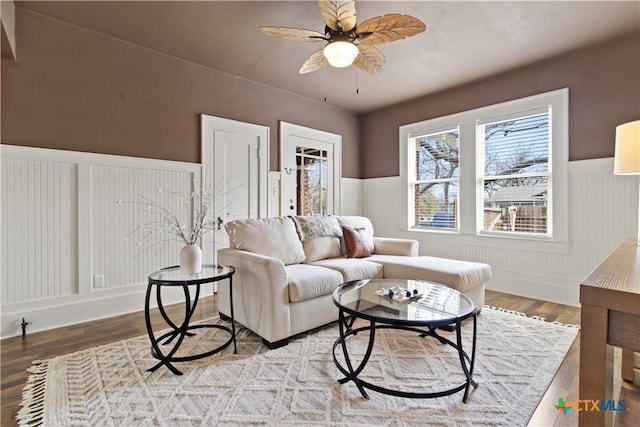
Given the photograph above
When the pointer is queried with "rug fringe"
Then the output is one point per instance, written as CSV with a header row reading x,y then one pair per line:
x,y
32,403
540,318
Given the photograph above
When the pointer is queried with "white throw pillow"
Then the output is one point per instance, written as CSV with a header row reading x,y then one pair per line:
x,y
275,237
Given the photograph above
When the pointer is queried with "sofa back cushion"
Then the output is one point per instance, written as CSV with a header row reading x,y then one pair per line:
x,y
275,237
320,236
321,248
358,222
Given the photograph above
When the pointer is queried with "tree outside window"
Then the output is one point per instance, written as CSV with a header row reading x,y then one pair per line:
x,y
437,175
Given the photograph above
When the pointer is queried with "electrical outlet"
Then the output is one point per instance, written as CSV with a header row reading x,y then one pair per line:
x,y
98,281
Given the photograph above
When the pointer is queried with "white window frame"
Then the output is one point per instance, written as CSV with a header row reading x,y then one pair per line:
x,y
470,205
480,141
412,172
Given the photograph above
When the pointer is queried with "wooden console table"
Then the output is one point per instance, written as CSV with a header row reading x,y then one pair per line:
x,y
610,316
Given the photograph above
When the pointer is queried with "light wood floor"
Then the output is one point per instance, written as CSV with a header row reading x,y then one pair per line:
x,y
18,353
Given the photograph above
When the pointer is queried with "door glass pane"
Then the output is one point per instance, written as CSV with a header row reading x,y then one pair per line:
x,y
311,181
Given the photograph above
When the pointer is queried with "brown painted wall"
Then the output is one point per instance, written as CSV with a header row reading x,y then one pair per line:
x,y
604,91
74,89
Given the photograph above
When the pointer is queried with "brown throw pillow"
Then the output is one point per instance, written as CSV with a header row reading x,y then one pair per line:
x,y
354,239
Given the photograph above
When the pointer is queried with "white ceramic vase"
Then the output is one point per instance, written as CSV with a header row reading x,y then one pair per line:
x,y
191,259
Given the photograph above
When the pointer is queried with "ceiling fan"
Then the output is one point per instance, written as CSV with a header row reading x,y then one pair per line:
x,y
347,42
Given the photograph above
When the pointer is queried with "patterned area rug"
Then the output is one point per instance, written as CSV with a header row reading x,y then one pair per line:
x,y
517,358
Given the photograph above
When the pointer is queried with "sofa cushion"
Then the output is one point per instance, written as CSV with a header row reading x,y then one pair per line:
x,y
390,246
321,248
320,236
355,242
358,222
307,281
353,268
459,275
275,237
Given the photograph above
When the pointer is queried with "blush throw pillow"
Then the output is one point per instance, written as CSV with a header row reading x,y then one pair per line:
x,y
355,242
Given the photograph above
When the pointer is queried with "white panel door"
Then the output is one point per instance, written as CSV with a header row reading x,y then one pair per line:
x,y
235,159
311,168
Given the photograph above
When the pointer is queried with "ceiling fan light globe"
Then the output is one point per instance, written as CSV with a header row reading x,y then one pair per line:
x,y
340,54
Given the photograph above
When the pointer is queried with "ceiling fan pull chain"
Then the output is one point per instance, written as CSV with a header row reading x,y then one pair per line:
x,y
325,83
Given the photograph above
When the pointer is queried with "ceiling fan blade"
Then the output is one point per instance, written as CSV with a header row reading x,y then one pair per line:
x,y
293,34
315,62
388,28
339,15
370,59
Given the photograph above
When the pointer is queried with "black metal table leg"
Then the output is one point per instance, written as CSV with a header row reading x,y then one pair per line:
x,y
233,324
467,369
352,374
178,331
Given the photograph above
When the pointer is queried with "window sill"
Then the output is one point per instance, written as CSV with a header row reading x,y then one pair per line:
x,y
519,243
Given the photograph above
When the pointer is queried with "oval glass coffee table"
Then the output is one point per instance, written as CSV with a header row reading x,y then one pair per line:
x,y
427,308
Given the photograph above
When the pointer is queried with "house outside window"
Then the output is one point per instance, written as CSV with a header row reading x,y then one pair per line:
x,y
514,169
494,172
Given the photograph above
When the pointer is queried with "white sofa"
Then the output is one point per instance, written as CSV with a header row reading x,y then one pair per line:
x,y
288,267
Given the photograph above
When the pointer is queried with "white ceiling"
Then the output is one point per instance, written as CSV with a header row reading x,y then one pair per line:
x,y
464,41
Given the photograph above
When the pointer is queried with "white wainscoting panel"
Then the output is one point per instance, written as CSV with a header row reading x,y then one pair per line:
x,y
125,244
65,258
351,201
39,209
62,229
603,211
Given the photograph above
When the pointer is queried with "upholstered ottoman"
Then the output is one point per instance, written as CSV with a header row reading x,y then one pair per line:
x,y
464,276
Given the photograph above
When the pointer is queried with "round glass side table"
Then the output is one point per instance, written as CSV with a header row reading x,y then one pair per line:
x,y
174,278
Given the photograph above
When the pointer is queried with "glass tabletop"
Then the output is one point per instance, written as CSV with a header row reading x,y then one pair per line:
x,y
427,302
209,273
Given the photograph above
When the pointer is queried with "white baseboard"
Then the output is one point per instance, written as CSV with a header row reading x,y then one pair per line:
x,y
42,317
542,288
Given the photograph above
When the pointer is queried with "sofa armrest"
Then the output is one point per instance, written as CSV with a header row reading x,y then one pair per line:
x,y
260,293
388,246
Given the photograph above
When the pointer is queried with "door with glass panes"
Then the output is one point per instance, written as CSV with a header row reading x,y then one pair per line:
x,y
309,171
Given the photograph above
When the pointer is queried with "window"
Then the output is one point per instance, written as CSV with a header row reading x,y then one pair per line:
x,y
437,160
514,171
311,181
496,171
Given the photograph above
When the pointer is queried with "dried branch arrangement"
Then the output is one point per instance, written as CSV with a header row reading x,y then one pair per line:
x,y
176,216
